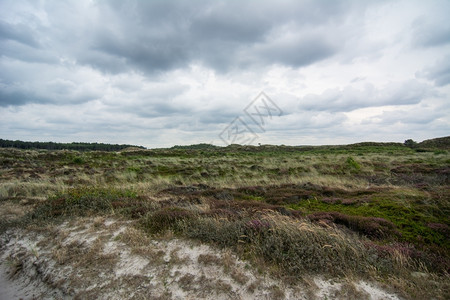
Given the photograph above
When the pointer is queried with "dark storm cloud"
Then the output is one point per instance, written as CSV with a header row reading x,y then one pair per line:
x,y
21,41
19,33
154,109
427,34
149,56
61,92
105,62
17,98
301,52
154,37
26,53
439,73
157,36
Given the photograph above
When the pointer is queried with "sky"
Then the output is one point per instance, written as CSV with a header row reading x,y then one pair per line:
x,y
161,73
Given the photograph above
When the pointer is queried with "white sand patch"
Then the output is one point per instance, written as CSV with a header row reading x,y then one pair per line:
x,y
130,264
109,222
326,288
110,247
375,292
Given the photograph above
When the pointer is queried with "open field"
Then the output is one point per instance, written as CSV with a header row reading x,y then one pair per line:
x,y
269,221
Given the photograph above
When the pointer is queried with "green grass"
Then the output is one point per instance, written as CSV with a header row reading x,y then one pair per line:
x,y
410,221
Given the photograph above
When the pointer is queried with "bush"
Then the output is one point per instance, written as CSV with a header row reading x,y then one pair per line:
x,y
78,160
81,201
352,164
441,228
167,218
369,226
218,231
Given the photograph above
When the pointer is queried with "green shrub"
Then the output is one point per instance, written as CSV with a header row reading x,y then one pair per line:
x,y
134,169
372,227
221,232
78,160
81,201
438,152
352,164
168,218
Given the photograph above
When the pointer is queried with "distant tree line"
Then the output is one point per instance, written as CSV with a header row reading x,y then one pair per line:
x,y
64,146
201,146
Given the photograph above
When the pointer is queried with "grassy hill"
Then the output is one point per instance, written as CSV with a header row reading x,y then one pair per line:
x,y
437,143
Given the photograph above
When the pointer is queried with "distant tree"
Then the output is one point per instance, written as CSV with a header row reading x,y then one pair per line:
x,y
410,143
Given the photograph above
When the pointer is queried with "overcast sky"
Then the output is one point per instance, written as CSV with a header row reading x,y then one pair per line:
x,y
164,73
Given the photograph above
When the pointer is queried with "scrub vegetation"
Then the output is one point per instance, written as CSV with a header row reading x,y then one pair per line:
x,y
377,211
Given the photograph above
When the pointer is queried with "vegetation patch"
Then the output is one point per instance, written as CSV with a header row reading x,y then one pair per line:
x,y
372,227
168,218
82,201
